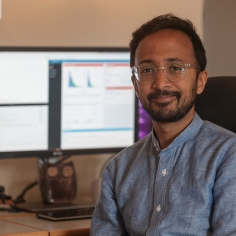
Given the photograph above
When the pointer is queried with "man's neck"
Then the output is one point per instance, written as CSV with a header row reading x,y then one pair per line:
x,y
167,132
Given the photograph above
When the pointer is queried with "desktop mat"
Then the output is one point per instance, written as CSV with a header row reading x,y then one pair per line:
x,y
42,207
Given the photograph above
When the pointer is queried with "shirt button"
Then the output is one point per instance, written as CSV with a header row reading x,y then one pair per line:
x,y
163,172
158,208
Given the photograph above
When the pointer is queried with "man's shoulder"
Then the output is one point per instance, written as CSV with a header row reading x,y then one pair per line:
x,y
214,137
143,145
214,129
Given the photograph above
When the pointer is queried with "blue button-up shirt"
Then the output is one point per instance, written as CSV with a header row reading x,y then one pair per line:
x,y
188,188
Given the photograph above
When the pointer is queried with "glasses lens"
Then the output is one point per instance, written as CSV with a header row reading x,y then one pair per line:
x,y
146,73
175,71
135,72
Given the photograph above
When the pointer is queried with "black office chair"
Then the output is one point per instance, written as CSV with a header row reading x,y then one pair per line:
x,y
217,103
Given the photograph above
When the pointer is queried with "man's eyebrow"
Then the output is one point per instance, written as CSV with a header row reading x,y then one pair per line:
x,y
146,61
173,59
170,59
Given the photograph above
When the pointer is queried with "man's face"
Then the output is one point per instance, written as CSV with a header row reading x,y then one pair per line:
x,y
167,101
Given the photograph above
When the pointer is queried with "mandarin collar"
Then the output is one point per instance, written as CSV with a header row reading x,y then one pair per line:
x,y
185,135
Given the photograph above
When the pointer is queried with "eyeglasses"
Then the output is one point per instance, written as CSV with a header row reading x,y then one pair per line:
x,y
174,71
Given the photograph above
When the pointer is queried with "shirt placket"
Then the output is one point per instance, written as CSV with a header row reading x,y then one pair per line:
x,y
162,175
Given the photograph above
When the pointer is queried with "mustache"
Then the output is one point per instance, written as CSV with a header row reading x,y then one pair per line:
x,y
163,92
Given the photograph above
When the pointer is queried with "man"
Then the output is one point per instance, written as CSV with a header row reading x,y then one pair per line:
x,y
181,178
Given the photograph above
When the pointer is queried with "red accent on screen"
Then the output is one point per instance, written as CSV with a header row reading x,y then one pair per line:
x,y
80,64
118,88
117,64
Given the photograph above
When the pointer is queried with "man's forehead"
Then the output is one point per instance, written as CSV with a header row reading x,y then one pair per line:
x,y
172,45
165,34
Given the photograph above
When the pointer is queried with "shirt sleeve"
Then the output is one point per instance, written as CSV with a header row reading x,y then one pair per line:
x,y
224,198
107,219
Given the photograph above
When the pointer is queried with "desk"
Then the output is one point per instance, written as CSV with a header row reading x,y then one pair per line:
x,y
24,224
5,214
8,228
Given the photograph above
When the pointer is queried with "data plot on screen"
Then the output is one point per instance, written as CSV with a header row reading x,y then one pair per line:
x,y
82,76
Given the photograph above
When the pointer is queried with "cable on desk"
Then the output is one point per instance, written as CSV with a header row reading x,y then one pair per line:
x,y
5,201
20,198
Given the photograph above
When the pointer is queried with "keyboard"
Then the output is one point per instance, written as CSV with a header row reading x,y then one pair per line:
x,y
80,213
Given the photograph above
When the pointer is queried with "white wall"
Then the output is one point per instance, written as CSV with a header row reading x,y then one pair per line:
x,y
85,22
77,23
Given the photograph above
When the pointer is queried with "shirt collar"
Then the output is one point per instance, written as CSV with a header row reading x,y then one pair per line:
x,y
186,134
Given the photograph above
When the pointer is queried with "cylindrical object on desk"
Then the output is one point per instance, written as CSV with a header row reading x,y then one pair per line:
x,y
57,182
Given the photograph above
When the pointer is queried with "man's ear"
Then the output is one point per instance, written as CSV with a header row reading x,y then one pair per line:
x,y
135,85
202,79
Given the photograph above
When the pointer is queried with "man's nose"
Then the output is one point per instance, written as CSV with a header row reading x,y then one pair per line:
x,y
160,80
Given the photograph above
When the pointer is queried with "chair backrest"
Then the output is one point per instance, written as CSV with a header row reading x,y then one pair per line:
x,y
217,103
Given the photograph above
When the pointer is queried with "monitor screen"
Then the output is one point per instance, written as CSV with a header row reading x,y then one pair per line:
x,y
56,101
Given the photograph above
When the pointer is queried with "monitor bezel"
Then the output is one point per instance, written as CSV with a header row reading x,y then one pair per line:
x,y
63,152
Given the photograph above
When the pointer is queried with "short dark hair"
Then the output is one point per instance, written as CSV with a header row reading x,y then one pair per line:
x,y
169,21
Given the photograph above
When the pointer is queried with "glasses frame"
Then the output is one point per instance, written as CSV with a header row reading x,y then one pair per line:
x,y
136,74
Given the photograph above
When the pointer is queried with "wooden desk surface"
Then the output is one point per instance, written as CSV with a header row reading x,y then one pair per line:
x,y
61,228
9,228
5,214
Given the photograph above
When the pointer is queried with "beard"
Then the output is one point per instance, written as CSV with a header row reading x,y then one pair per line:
x,y
160,112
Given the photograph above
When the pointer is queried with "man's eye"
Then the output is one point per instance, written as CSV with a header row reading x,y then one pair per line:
x,y
176,68
147,70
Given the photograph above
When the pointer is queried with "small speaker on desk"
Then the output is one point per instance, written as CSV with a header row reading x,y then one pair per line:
x,y
57,182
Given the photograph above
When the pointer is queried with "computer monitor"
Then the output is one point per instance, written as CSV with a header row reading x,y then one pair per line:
x,y
62,101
